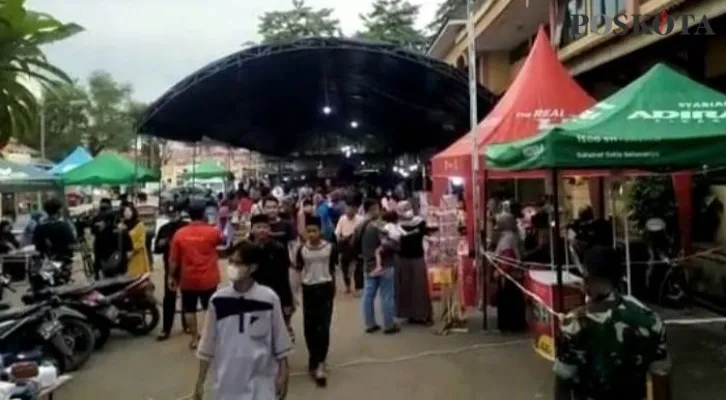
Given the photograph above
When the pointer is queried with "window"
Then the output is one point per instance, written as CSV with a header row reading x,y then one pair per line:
x,y
606,7
570,29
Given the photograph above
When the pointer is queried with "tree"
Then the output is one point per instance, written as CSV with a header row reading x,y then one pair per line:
x,y
65,119
445,11
22,62
299,22
393,21
111,113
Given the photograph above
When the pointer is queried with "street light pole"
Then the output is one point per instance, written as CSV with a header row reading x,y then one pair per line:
x,y
474,122
42,130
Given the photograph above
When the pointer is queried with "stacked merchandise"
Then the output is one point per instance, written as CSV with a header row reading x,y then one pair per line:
x,y
442,250
443,259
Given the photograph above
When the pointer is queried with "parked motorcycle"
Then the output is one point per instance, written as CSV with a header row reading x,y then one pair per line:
x,y
665,278
44,272
24,376
118,303
64,335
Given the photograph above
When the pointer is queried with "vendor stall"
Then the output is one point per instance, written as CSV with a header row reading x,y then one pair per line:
x,y
662,120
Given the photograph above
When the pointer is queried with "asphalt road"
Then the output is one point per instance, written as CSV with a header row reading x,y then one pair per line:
x,y
414,364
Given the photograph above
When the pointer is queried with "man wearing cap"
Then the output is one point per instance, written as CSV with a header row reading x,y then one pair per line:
x,y
607,348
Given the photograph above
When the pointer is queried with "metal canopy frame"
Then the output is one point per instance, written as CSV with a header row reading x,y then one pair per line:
x,y
360,77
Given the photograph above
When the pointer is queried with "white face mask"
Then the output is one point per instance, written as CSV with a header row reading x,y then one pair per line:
x,y
408,214
233,273
237,273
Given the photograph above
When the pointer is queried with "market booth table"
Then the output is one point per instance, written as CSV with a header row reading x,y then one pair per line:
x,y
543,284
662,120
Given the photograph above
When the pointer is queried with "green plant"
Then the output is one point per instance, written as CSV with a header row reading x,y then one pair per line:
x,y
653,197
22,63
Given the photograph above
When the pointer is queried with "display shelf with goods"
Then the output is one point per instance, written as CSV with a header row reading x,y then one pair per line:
x,y
443,258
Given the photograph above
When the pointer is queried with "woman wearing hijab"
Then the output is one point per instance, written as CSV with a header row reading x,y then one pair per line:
x,y
412,288
510,299
138,259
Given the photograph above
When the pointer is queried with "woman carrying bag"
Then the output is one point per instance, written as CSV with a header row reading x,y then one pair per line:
x,y
138,258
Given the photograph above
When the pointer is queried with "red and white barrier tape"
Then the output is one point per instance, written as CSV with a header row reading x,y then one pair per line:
x,y
495,260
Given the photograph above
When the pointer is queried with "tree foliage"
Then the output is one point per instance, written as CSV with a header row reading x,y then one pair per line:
x,y
22,62
393,21
299,22
111,113
66,121
443,13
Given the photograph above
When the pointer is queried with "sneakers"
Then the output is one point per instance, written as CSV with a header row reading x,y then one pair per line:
x,y
392,330
321,376
373,329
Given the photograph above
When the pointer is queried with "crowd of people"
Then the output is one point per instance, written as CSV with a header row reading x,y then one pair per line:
x,y
289,257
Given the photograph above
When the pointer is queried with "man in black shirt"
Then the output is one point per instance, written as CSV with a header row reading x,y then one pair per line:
x,y
282,231
163,245
54,237
274,265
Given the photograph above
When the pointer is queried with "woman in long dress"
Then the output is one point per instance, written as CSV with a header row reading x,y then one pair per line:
x,y
413,301
138,259
511,315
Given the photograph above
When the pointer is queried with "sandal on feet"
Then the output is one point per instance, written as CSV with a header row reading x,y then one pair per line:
x,y
194,343
162,337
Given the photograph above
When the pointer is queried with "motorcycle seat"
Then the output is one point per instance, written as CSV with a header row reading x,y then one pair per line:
x,y
122,280
4,306
17,312
68,290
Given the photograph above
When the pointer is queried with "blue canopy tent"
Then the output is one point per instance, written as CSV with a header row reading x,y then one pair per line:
x,y
78,157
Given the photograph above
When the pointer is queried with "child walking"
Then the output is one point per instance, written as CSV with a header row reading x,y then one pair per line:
x,y
316,260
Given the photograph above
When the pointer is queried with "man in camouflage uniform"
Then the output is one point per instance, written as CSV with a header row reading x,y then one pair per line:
x,y
608,347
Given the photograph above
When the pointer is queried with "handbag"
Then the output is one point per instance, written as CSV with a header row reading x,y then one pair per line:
x,y
111,265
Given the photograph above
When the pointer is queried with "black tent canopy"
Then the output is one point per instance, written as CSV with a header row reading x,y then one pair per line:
x,y
273,98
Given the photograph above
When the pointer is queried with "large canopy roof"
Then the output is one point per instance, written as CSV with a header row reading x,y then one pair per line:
x,y
271,98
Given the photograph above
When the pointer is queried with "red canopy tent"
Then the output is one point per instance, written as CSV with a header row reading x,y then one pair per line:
x,y
542,94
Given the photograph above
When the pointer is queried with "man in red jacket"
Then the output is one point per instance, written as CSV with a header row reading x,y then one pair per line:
x,y
194,256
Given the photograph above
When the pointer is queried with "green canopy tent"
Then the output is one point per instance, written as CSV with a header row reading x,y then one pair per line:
x,y
24,178
205,170
661,120
108,168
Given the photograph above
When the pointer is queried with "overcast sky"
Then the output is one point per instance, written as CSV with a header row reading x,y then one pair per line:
x,y
155,43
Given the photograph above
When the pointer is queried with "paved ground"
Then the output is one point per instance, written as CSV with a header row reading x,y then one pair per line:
x,y
412,365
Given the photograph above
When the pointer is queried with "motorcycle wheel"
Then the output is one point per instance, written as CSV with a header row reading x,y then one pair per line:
x,y
672,290
80,337
149,319
102,334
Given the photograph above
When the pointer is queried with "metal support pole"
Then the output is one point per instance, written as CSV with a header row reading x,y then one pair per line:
x,y
137,145
194,164
42,148
474,122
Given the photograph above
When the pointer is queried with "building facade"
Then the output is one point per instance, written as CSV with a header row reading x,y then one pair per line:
x,y
505,28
